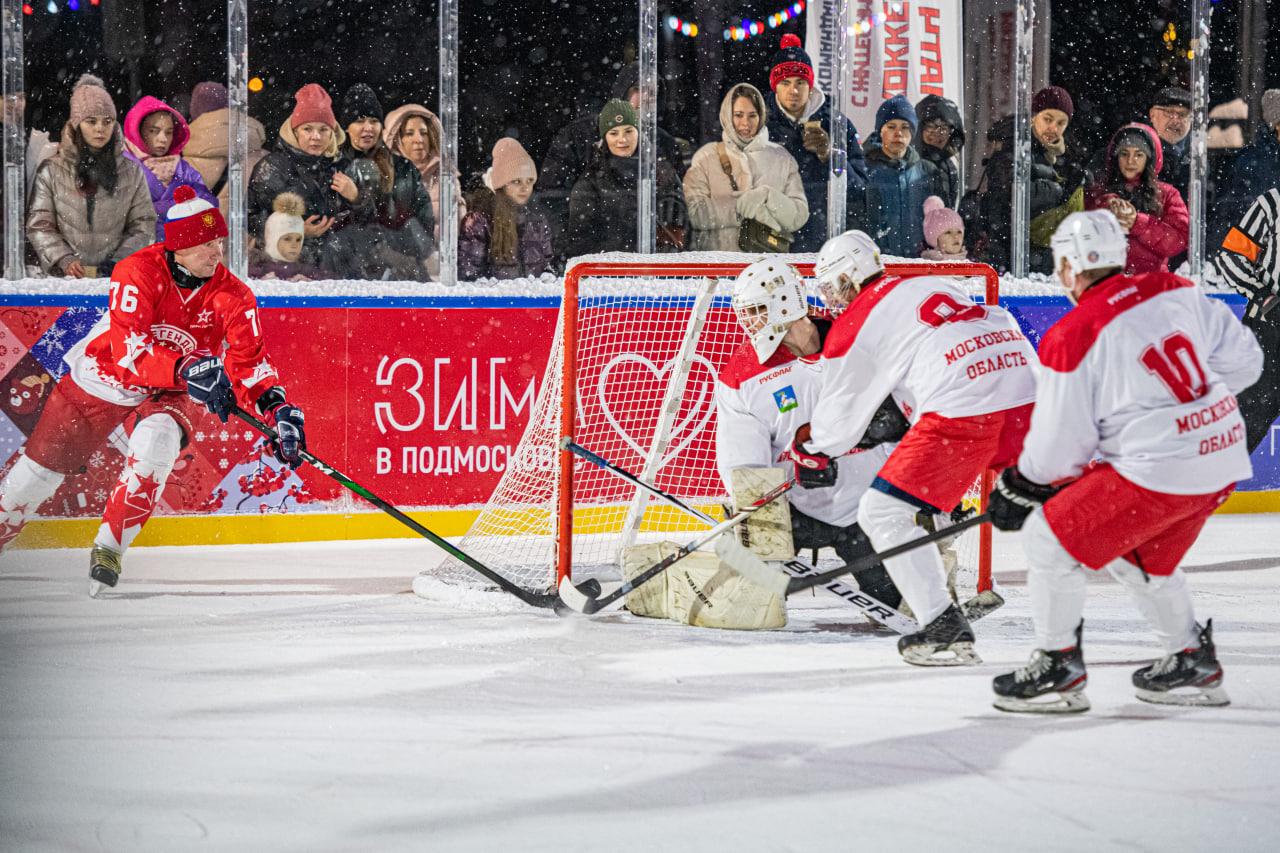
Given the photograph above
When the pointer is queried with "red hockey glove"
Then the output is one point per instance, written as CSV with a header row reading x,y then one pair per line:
x,y
814,470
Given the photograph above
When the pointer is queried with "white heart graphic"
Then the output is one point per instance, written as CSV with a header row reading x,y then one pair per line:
x,y
700,412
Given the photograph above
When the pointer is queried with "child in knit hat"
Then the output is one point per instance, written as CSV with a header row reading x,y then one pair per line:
x,y
943,231
501,237
284,233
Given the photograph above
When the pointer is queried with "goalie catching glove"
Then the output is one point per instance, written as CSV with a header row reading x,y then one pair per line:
x,y
814,470
1014,498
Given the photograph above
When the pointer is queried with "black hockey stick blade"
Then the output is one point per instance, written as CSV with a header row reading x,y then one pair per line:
x,y
548,600
797,584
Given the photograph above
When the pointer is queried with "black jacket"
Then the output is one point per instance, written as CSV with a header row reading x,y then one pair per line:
x,y
603,203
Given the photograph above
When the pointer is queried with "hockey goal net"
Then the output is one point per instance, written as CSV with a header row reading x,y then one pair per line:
x,y
638,345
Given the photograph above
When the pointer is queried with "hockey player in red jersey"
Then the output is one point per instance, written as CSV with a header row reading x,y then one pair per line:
x,y
181,339
963,375
769,388
1136,408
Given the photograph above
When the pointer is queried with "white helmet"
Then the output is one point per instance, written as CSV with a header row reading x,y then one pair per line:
x,y
1089,240
853,254
768,297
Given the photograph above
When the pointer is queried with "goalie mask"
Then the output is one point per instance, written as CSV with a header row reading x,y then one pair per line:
x,y
1088,240
768,297
852,254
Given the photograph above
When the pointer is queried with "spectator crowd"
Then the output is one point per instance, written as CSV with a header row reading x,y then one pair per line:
x,y
351,190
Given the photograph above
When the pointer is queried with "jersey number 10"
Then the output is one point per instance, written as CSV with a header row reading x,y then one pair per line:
x,y
1176,364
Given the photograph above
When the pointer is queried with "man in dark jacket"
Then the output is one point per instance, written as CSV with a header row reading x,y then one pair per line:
x,y
1170,115
1057,184
939,141
800,121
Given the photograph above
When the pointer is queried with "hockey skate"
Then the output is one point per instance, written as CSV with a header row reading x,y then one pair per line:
x,y
1059,676
946,641
1194,668
104,569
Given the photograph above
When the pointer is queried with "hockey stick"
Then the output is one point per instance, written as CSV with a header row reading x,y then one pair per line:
x,y
577,598
974,608
535,599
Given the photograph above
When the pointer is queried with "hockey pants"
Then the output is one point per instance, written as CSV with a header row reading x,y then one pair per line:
x,y
919,574
1056,583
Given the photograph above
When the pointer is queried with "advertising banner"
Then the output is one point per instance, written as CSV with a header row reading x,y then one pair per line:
x,y
423,405
895,48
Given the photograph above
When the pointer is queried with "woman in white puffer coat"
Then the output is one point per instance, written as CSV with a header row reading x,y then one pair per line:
x,y
765,182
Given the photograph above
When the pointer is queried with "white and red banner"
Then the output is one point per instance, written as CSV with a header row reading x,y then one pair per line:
x,y
895,48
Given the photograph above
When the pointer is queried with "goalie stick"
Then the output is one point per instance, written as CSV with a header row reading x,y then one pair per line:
x,y
744,562
577,597
535,599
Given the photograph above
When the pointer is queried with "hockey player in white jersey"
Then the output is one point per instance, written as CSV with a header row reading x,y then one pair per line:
x,y
962,373
1136,408
769,389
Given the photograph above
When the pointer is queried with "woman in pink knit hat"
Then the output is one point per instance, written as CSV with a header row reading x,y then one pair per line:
x,y
501,237
154,136
307,162
90,207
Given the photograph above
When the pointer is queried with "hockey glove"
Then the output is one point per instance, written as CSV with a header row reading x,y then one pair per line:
x,y
887,424
208,385
813,470
1014,498
290,440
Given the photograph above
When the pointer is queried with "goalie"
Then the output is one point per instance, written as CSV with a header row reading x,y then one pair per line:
x,y
765,393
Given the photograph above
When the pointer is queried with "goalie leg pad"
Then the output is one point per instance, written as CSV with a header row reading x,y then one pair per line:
x,y
767,532
700,591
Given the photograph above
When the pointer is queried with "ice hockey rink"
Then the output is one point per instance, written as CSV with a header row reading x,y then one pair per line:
x,y
300,698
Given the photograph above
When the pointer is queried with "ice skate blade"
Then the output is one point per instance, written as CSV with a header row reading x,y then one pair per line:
x,y
954,654
1067,702
1204,696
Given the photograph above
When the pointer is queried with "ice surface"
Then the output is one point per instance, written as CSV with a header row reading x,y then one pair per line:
x,y
300,698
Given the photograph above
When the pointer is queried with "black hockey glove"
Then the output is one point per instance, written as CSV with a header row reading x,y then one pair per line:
x,y
1014,498
208,385
290,438
887,424
813,470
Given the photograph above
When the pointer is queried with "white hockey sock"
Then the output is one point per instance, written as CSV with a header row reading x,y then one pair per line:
x,y
27,485
919,574
1056,584
1165,602
153,450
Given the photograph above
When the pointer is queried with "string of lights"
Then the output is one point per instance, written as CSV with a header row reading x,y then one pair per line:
x,y
746,28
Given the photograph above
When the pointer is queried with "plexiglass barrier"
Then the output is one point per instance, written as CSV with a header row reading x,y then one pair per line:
x,y
474,140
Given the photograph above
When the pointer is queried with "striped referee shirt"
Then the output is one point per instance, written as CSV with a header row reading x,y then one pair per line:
x,y
1250,256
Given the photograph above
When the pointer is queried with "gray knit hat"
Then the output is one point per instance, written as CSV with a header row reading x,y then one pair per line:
x,y
1271,107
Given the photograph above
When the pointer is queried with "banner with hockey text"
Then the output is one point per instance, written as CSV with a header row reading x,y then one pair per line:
x,y
895,48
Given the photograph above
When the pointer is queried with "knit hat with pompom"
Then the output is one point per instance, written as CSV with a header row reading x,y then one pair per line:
x,y
939,218
289,209
90,99
191,221
790,61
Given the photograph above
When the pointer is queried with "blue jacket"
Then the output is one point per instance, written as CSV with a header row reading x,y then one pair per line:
x,y
813,172
896,189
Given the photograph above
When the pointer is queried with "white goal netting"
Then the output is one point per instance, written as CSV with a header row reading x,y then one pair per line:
x,y
644,338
